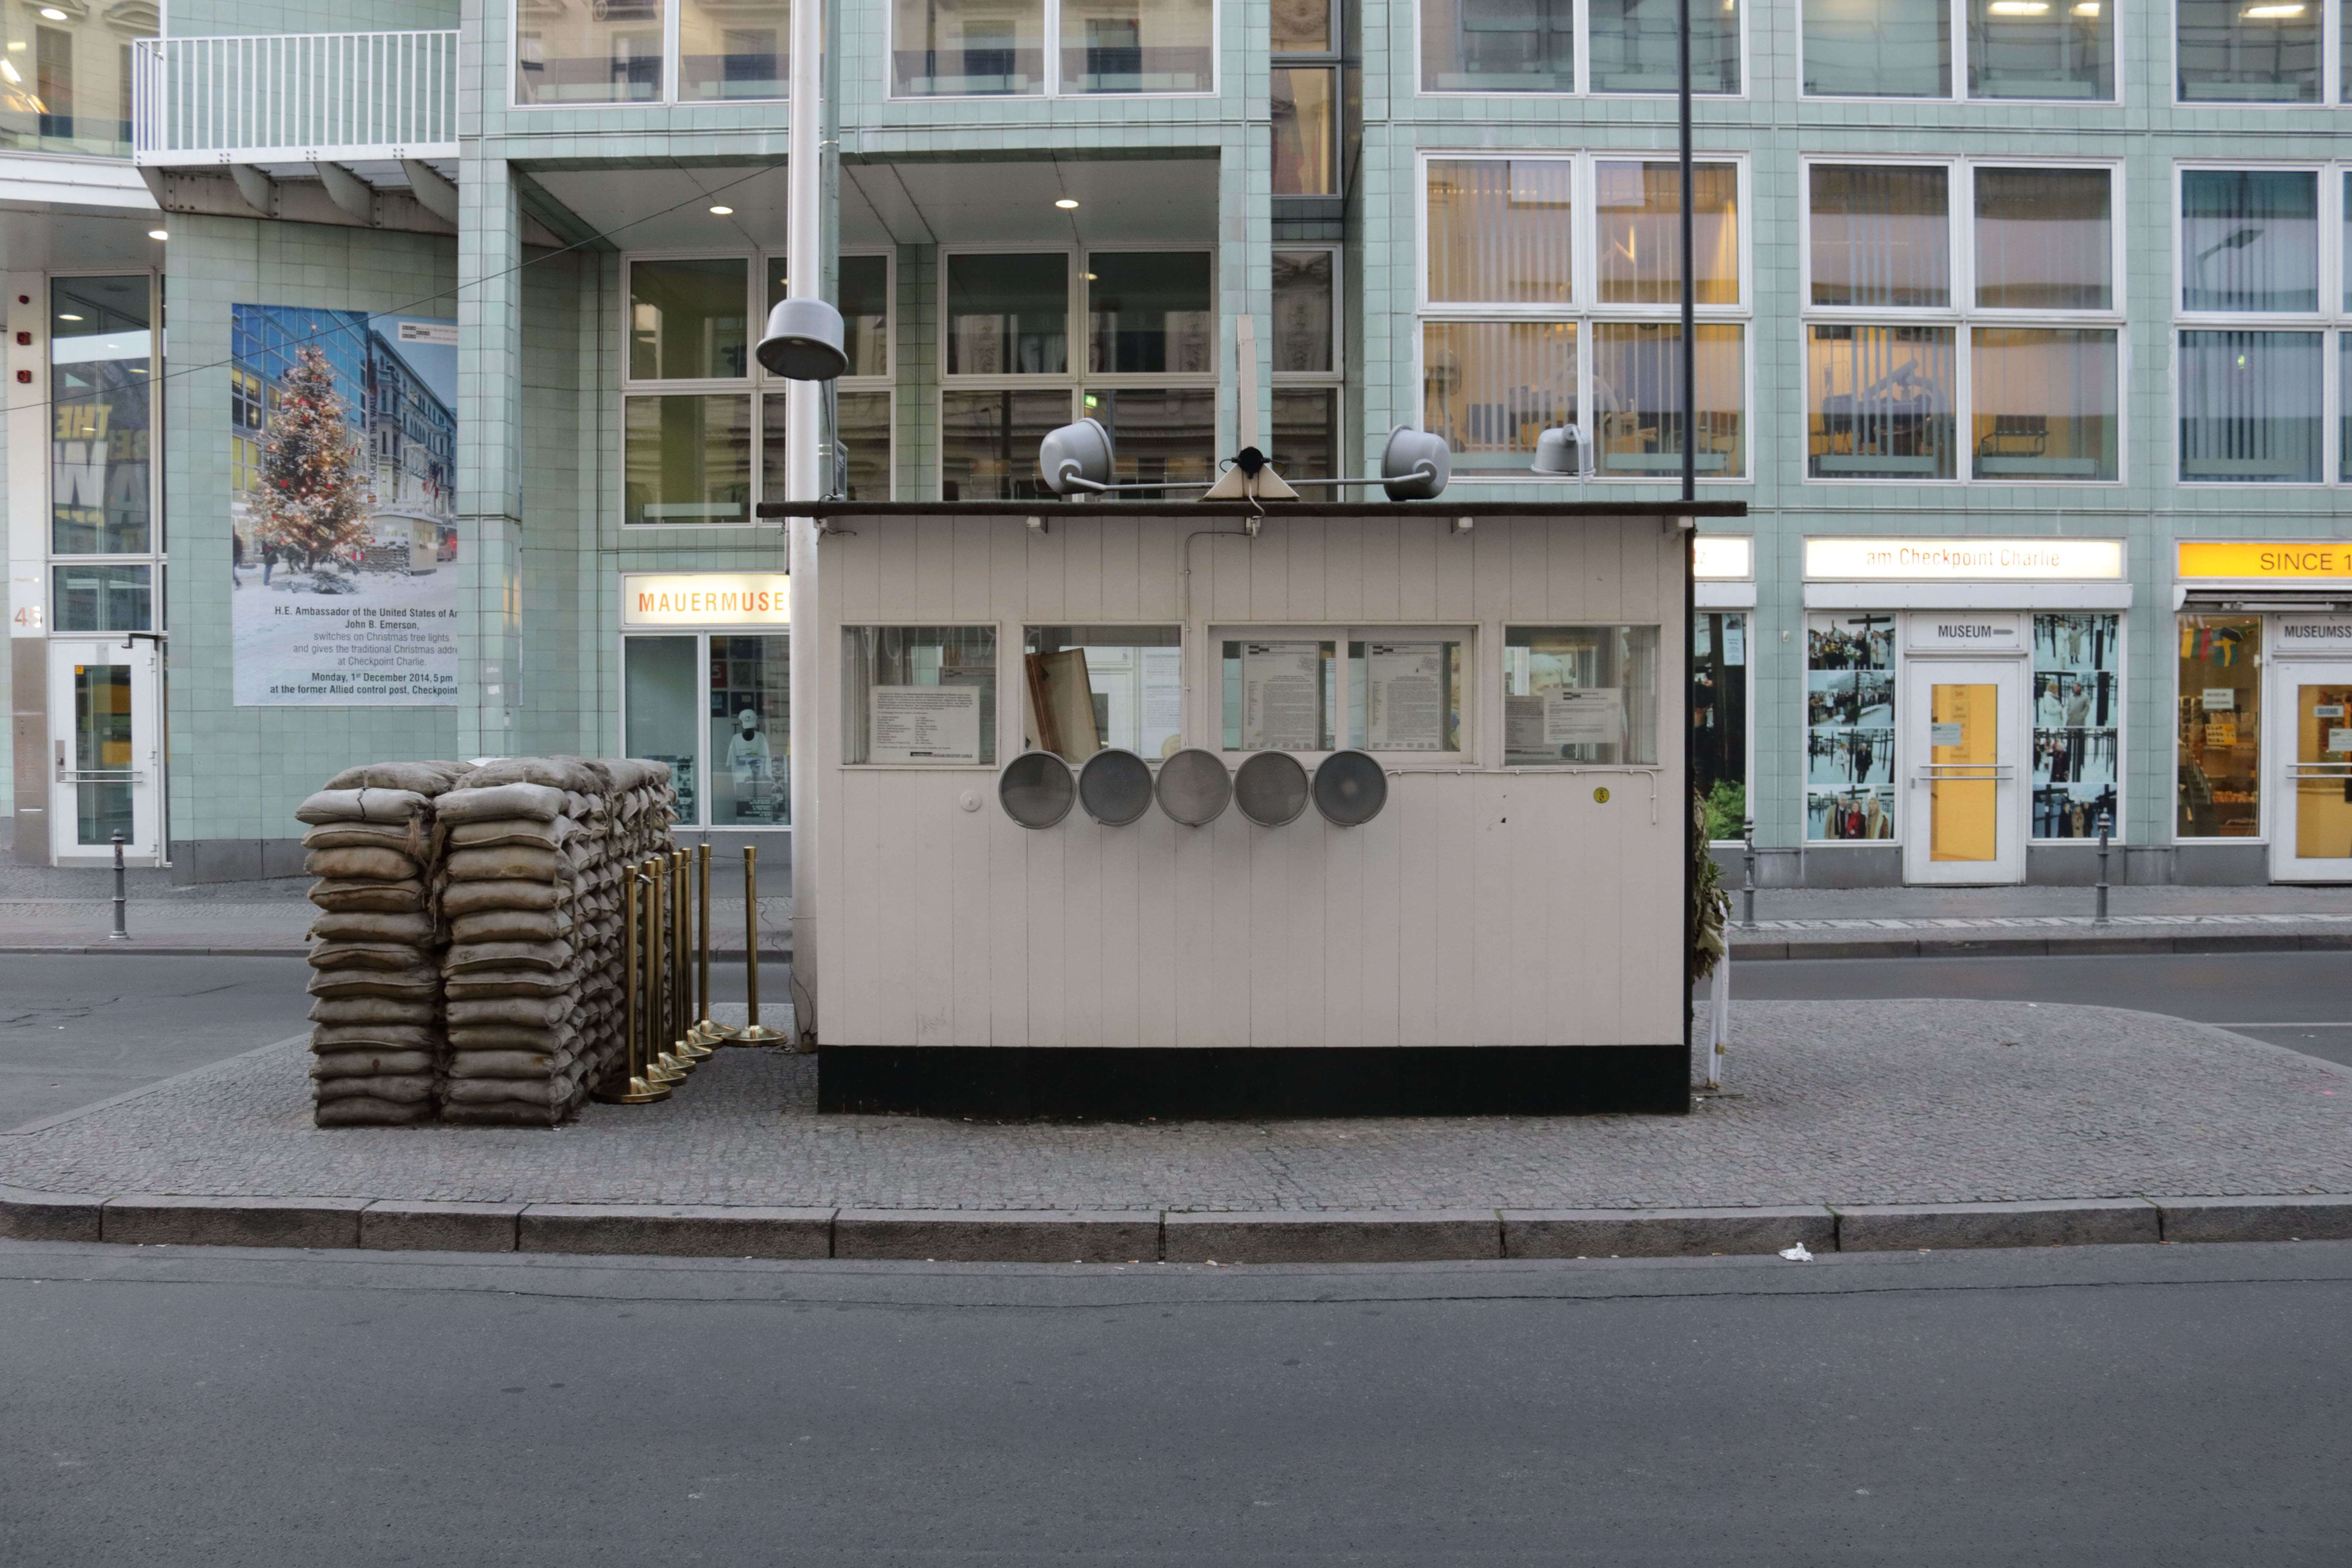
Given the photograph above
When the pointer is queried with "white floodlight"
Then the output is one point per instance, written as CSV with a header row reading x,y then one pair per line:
x,y
1562,453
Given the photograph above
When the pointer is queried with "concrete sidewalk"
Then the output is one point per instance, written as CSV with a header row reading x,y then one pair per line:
x,y
1854,1125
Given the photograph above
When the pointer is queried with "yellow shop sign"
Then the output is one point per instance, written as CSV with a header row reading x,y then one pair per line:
x,y
2275,560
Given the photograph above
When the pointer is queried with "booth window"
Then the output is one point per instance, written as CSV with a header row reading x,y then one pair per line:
x,y
2219,739
1093,687
1850,726
1281,692
2251,390
2077,723
1889,321
1514,341
921,696
1719,718
1579,695
1404,692
1531,46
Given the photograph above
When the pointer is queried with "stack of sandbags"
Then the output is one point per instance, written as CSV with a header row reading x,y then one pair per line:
x,y
376,1038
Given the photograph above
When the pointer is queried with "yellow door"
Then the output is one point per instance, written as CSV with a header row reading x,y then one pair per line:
x,y
2323,771
1964,748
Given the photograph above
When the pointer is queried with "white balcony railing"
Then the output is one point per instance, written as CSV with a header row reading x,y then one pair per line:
x,y
295,98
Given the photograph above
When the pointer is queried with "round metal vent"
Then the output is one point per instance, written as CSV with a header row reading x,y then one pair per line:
x,y
1035,789
1195,787
1349,789
1115,786
1271,788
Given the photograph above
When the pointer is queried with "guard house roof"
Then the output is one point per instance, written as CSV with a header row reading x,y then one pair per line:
x,y
827,509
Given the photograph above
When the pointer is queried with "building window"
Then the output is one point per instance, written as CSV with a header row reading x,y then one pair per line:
x,y
2037,313
1531,46
1157,434
961,48
687,459
2243,51
1849,726
615,52
1513,341
2258,317
101,359
1304,106
862,412
687,319
2055,50
91,597
2220,706
660,697
66,85
2077,723
1718,701
1307,371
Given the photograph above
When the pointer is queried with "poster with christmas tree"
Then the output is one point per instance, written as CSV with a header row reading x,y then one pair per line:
x,y
342,508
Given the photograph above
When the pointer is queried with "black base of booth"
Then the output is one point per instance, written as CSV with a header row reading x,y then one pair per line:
x,y
1018,1083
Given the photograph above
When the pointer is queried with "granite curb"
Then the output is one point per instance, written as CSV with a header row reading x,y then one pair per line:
x,y
137,948
1307,1236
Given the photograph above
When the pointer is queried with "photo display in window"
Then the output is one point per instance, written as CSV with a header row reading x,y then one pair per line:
x,y
2221,727
2077,714
1850,726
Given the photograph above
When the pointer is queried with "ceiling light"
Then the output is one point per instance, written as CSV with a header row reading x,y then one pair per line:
x,y
722,211
1090,276
53,14
2087,8
1069,204
9,71
66,316
159,234
2020,7
2270,13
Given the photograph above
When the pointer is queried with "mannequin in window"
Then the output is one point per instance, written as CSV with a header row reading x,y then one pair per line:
x,y
749,760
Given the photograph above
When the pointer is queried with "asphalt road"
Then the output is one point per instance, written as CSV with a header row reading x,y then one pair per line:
x,y
2128,1405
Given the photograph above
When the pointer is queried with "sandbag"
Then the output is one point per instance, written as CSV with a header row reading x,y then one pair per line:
x,y
374,1037
522,830
505,1064
408,985
361,865
370,1113
406,839
472,896
533,1012
504,983
416,930
556,772
398,1089
375,1010
392,956
510,925
371,1064
361,806
512,1037
375,897
544,1091
538,802
422,778
508,863
507,1113
468,957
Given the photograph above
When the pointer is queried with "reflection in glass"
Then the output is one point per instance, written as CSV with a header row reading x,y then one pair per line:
x,y
1850,726
2249,51
987,442
66,85
2221,727
1634,46
1881,235
2045,240
686,320
1306,432
729,50
1490,388
2077,713
1637,399
1159,434
2041,48
1302,312
88,597
1498,45
687,459
1281,693
1136,46
2249,406
1302,27
1718,733
1092,687
2344,406
1150,310
2323,766
920,696
1304,109
2045,404
1404,694
659,701
101,745
607,53
1009,314
1499,231
100,444
1639,206
865,430
1579,694
1878,48
864,300
2249,240
750,731
1879,403
957,48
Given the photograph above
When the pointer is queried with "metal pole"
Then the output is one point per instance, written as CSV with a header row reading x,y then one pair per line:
x,y
121,932
1748,874
708,1030
664,1067
754,1032
1690,332
689,1049
637,1088
2106,827
805,480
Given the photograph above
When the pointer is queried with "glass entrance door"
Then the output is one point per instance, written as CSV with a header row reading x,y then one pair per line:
x,y
1966,728
2313,843
106,751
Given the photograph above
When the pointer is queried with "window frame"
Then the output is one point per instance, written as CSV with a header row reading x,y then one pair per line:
x,y
2123,724
2333,83
993,712
1335,380
1963,316
1956,11
158,553
1026,710
2331,323
701,636
2179,753
1748,613
1582,44
673,12
1051,45
1210,732
1584,308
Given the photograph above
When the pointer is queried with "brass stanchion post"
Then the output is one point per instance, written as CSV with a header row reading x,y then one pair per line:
x,y
708,1030
636,1088
753,1033
665,1067
688,1048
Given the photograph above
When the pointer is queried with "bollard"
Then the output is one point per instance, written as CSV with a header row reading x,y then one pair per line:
x,y
753,1033
1748,874
688,1048
657,1006
121,932
708,1031
637,1087
2106,827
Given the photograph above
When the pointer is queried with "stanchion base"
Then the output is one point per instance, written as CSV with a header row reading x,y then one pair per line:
x,y
757,1035
668,1068
638,1092
710,1032
689,1050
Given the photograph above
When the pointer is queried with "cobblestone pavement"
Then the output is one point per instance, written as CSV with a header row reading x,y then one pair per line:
x,y
157,919
1839,1102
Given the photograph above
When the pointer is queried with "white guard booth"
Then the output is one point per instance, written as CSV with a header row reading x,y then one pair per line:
x,y
1452,879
